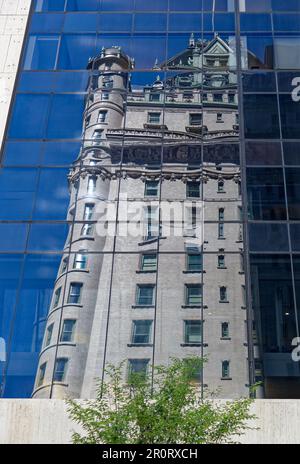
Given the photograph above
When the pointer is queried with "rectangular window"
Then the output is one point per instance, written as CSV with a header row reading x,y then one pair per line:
x,y
60,369
152,222
74,293
49,334
92,182
149,262
221,230
154,118
67,333
225,330
219,117
41,52
231,98
87,229
42,373
221,261
64,265
223,294
151,188
193,189
154,97
196,119
88,212
80,261
102,116
138,366
192,332
194,262
97,136
105,96
145,295
56,297
108,83
218,97
225,370
193,295
141,332
220,186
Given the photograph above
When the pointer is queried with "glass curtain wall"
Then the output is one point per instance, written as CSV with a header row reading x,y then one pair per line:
x,y
202,120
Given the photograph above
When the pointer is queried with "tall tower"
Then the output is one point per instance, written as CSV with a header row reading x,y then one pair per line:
x,y
66,341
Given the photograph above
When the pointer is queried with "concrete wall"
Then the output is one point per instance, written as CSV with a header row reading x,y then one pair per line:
x,y
46,421
13,20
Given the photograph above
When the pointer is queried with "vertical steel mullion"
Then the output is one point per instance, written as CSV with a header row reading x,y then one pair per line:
x,y
248,295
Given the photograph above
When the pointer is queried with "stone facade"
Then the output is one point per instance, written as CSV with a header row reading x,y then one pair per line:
x,y
179,136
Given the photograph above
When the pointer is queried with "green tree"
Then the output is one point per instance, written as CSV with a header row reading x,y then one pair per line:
x,y
167,411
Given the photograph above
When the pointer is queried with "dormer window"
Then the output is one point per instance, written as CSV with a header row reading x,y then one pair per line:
x,y
218,97
187,95
154,97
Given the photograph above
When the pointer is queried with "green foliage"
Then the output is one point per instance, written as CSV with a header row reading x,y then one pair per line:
x,y
169,411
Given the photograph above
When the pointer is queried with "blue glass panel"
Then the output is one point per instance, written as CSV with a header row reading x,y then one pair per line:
x,y
21,126
13,237
49,5
286,22
35,295
150,22
65,118
274,307
268,237
60,153
117,5
47,237
218,22
10,267
185,22
83,5
52,195
287,52
154,5
256,22
291,152
257,52
295,237
218,5
261,116
263,154
115,23
266,196
41,52
44,22
191,5
289,82
76,50
293,192
290,117
156,49
258,5
22,153
291,5
71,81
17,190
36,82
75,22
259,82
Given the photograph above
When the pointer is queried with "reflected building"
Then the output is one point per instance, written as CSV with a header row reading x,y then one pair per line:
x,y
146,297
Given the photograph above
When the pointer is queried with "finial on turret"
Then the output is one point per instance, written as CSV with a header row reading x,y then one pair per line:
x,y
192,40
156,64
